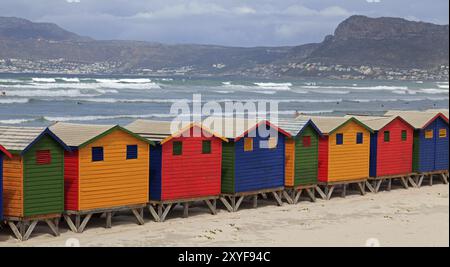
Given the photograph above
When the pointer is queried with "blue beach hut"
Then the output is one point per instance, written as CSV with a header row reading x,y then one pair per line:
x,y
430,146
253,161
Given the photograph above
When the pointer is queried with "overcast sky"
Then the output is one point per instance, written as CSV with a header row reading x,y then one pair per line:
x,y
224,22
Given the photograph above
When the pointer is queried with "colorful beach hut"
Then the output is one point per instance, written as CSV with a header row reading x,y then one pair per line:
x,y
3,153
430,148
344,152
301,158
391,150
106,171
252,161
185,165
33,178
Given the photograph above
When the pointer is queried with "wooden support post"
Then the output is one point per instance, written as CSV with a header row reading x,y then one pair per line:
x,y
52,227
361,188
138,216
421,180
329,191
84,222
431,179
238,203
69,222
166,211
404,182
378,185
152,211
226,204
371,187
160,210
185,210
412,182
29,230
321,193
255,200
108,219
277,199
297,196
444,178
287,197
344,190
233,202
211,206
264,195
15,230
77,221
310,192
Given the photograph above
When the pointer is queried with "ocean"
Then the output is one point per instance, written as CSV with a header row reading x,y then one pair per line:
x,y
40,100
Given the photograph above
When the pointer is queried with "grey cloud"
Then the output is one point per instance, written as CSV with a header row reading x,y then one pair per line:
x,y
225,22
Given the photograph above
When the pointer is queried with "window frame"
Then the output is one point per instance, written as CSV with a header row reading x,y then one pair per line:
x,y
387,136
128,153
427,136
359,138
47,153
98,148
209,146
404,135
306,141
177,151
248,147
444,130
340,140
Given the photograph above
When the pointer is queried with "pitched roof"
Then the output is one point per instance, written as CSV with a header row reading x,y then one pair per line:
x,y
327,125
418,119
22,138
377,123
443,111
296,126
79,135
236,128
161,131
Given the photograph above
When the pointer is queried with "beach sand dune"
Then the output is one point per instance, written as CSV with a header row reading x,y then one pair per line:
x,y
414,217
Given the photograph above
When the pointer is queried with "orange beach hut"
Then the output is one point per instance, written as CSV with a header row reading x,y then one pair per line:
x,y
344,151
107,169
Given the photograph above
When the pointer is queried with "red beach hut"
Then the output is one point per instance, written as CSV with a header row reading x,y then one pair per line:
x,y
184,167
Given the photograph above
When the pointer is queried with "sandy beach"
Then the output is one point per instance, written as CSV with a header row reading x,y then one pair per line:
x,y
414,217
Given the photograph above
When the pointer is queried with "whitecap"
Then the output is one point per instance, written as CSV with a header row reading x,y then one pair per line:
x,y
43,80
14,101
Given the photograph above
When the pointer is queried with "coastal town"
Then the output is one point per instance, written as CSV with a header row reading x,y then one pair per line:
x,y
304,69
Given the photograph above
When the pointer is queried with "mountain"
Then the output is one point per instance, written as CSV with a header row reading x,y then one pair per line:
x,y
389,42
22,29
357,41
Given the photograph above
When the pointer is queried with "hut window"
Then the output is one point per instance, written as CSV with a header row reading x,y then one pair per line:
x,y
132,151
248,144
404,135
442,133
43,157
272,142
306,141
97,154
206,147
339,139
177,148
387,136
359,138
429,134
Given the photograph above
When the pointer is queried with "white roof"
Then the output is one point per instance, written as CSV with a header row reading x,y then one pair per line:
x,y
18,138
77,134
418,119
